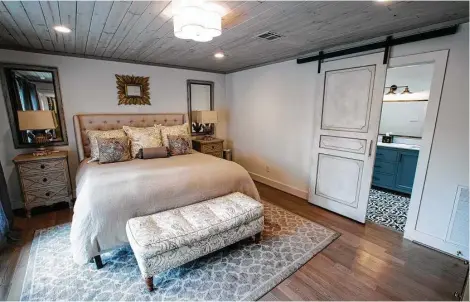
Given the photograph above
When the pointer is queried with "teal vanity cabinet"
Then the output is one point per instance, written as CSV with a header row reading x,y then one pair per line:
x,y
395,169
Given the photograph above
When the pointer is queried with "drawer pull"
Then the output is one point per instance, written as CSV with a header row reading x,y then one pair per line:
x,y
44,179
48,194
42,166
213,147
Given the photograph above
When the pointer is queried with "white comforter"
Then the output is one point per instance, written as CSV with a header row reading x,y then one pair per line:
x,y
110,194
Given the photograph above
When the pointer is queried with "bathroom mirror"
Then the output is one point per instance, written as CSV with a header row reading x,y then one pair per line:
x,y
34,105
405,100
200,98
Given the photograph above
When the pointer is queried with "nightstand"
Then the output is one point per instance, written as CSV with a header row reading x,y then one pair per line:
x,y
213,147
44,179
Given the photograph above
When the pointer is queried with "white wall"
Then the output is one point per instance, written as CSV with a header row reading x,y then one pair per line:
x,y
416,77
89,86
403,118
271,122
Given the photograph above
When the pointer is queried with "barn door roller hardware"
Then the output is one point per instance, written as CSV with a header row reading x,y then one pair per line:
x,y
389,42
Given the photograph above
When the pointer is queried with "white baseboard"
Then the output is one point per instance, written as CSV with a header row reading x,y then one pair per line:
x,y
280,186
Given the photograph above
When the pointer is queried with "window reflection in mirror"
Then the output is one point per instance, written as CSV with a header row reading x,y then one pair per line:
x,y
200,97
35,91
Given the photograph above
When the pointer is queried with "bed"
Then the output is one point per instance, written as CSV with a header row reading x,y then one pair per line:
x,y
110,194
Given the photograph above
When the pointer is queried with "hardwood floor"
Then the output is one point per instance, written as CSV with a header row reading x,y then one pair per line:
x,y
368,262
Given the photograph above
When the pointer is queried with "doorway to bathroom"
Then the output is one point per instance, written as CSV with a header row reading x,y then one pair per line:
x,y
399,142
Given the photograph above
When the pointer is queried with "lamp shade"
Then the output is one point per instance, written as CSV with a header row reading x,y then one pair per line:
x,y
205,117
36,120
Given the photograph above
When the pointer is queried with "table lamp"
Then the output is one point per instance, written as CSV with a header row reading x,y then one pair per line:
x,y
37,120
208,118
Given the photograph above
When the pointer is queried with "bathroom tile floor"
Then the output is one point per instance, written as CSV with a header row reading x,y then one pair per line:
x,y
388,209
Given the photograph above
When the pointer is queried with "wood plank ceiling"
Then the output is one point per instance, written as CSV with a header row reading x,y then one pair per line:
x,y
142,31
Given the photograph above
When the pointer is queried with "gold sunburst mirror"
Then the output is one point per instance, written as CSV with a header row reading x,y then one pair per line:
x,y
133,90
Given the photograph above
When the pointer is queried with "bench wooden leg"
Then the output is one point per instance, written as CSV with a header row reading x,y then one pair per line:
x,y
258,237
149,283
98,262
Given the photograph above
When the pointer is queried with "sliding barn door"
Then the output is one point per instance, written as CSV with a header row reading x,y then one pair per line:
x,y
347,116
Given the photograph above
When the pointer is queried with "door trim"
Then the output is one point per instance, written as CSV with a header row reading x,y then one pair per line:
x,y
439,58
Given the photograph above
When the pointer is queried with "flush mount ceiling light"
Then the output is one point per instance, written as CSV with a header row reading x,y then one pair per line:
x,y
62,29
219,55
196,20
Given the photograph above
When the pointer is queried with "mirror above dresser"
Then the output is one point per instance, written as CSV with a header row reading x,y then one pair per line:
x,y
34,104
201,103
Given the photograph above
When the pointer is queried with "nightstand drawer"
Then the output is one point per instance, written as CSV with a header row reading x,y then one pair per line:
x,y
45,179
216,154
47,194
216,147
41,166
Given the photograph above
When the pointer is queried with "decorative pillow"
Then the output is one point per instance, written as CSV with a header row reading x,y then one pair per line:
x,y
148,153
146,137
113,149
179,144
173,130
94,134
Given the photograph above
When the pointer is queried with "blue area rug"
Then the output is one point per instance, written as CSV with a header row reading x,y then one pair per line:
x,y
243,271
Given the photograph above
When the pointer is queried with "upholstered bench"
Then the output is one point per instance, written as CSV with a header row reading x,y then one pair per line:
x,y
171,238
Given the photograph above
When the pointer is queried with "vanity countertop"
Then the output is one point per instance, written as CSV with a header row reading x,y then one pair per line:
x,y
398,146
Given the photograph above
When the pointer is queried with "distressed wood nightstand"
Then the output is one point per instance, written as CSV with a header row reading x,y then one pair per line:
x,y
45,180
213,147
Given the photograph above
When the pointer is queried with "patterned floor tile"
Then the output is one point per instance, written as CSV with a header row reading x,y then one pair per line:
x,y
388,209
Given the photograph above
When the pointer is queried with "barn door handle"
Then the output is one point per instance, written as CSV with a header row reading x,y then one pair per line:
x,y
370,147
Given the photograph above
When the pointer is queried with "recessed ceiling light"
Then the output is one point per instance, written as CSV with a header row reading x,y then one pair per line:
x,y
62,29
219,55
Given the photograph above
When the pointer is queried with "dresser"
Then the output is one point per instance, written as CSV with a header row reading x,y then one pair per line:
x,y
395,169
213,147
45,180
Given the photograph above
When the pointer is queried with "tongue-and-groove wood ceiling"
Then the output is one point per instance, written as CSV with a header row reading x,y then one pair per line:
x,y
142,31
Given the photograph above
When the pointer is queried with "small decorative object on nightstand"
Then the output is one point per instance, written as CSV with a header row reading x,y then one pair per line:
x,y
44,179
213,147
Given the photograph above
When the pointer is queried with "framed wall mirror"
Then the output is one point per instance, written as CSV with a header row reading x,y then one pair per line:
x,y
34,104
200,98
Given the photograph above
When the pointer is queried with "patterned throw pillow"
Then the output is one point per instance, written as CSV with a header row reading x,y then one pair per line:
x,y
113,149
179,144
146,137
94,134
173,130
